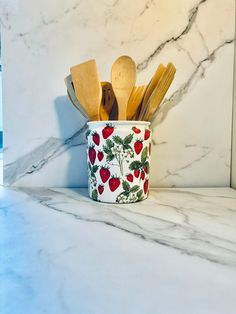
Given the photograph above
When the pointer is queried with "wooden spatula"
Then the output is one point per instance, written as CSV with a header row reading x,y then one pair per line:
x,y
123,78
150,88
87,86
159,92
72,97
108,98
135,101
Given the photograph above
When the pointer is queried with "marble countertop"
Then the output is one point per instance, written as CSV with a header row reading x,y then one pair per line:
x,y
63,253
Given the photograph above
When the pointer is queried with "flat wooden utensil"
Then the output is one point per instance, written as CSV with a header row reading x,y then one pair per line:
x,y
159,92
123,78
132,96
135,101
72,97
87,86
108,99
150,88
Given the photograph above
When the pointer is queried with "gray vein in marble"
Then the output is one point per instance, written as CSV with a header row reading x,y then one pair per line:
x,y
4,18
180,47
178,95
202,38
115,3
188,165
181,235
45,22
155,143
147,6
191,19
197,195
41,155
56,19
190,145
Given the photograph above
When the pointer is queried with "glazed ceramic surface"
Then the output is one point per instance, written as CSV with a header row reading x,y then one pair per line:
x,y
118,155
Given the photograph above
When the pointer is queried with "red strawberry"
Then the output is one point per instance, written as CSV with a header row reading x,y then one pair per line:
x,y
104,174
147,134
114,183
107,131
136,173
145,186
92,154
130,177
100,155
142,176
100,189
136,130
96,138
138,146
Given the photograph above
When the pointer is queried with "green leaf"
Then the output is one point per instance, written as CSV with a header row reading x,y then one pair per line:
x,y
106,149
89,165
126,193
110,157
126,186
109,143
134,188
144,155
95,195
128,139
95,168
92,174
146,164
87,133
127,146
117,139
140,195
135,165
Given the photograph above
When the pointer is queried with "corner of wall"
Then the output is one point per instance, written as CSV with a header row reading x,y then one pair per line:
x,y
233,151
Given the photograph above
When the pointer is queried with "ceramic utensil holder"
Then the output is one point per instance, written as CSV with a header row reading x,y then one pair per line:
x,y
118,160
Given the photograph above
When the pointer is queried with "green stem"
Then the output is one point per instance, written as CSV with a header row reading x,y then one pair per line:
x,y
121,167
120,162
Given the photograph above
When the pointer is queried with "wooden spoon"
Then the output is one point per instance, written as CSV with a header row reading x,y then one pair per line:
x,y
123,78
160,91
150,88
135,101
108,98
87,86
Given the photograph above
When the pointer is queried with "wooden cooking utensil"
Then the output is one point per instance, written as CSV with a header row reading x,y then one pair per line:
x,y
72,97
103,114
160,91
132,95
135,101
123,78
114,111
87,86
150,88
108,98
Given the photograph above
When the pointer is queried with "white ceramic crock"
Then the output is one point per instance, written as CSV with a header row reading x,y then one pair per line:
x,y
118,160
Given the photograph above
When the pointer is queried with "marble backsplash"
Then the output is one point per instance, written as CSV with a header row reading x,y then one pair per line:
x,y
44,135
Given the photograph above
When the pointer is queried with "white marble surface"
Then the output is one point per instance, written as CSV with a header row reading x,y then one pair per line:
x,y
44,141
63,253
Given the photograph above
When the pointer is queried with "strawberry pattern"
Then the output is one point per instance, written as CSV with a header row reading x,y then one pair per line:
x,y
118,161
